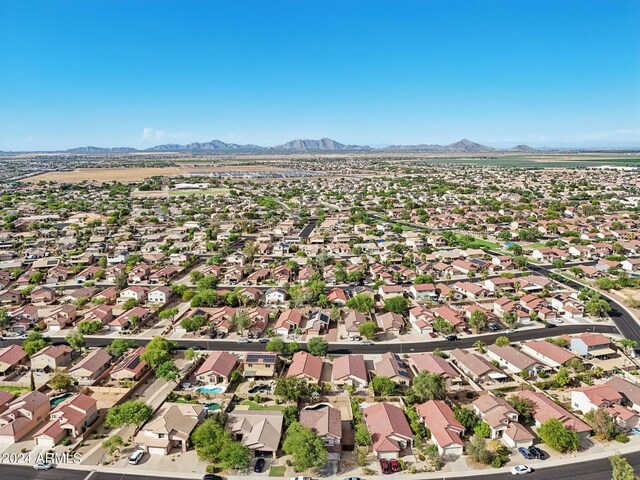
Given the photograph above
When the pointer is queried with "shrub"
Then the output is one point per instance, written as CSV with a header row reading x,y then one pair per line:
x,y
622,438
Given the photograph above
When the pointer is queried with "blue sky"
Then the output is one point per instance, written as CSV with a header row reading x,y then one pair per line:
x,y
140,73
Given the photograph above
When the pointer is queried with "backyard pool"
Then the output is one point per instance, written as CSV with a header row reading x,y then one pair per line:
x,y
55,401
210,389
212,407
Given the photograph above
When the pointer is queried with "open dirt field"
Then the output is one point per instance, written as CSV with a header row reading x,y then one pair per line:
x,y
135,174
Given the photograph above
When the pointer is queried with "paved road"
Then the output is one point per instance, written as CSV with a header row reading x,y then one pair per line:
x,y
306,231
344,348
588,470
624,320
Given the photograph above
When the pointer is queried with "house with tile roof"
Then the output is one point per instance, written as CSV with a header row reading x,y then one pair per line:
x,y
326,422
445,429
306,366
22,415
389,429
71,418
260,431
170,428
217,368
350,370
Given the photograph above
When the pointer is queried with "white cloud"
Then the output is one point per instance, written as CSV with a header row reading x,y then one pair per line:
x,y
149,133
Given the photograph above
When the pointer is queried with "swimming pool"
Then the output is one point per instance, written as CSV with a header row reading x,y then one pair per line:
x,y
54,402
210,389
212,407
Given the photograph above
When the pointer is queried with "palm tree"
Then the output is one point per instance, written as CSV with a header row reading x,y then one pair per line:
x,y
479,345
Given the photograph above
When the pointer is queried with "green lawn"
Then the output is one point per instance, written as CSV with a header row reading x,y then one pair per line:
x,y
256,406
478,242
15,390
210,191
277,471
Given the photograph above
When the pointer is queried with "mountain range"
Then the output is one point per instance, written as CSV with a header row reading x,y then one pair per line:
x,y
303,145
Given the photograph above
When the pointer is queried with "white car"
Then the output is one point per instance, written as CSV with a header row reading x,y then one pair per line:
x,y
300,478
366,343
43,466
510,330
521,470
136,456
242,341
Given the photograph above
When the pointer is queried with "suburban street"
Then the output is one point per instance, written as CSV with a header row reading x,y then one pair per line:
x,y
598,469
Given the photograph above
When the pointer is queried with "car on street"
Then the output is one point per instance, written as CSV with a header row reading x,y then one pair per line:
x,y
550,325
521,469
395,465
197,347
384,466
451,338
525,453
300,478
509,330
243,341
263,340
353,478
212,476
635,431
43,466
259,465
366,343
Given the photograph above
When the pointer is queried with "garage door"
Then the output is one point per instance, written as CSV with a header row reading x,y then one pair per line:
x,y
157,451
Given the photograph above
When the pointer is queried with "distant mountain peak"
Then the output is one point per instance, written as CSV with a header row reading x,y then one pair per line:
x,y
324,144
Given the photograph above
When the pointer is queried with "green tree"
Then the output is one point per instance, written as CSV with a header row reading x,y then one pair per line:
x,y
383,386
112,444
397,304
368,329
318,346
169,313
362,436
240,320
478,321
291,388
477,449
234,455
480,346
134,412
603,424
119,346
158,351
502,341
597,307
523,406
305,447
86,327
621,470
4,320
466,417
429,386
190,354
75,339
361,302
442,326
168,371
61,381
121,281
34,343
557,436
482,429
277,345
562,378
129,304
193,323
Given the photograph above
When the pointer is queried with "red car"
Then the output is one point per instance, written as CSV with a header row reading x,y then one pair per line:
x,y
384,466
395,466
433,335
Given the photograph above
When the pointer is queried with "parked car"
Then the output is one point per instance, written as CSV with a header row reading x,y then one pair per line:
x,y
384,466
366,342
550,325
301,478
635,431
43,466
259,465
536,452
521,469
433,335
197,347
395,466
243,341
263,340
466,330
136,456
221,334
525,453
212,476
353,478
509,330
451,338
